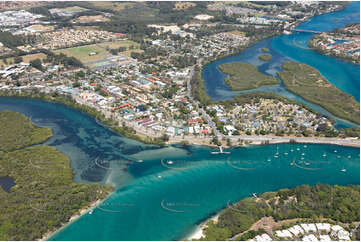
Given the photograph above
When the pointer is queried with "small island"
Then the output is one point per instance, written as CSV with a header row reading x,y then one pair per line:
x,y
308,83
283,214
244,76
43,196
265,57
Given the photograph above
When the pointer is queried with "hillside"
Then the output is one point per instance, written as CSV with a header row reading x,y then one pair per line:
x,y
337,203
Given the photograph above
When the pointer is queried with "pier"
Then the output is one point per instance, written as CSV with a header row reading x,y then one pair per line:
x,y
306,31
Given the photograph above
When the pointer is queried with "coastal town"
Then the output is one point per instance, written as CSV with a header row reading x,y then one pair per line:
x,y
144,86
343,43
161,120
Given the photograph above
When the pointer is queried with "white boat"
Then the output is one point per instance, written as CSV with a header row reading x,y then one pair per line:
x,y
286,32
307,163
302,158
298,149
335,151
343,170
170,162
140,161
159,176
268,159
91,211
324,155
349,156
305,146
303,153
291,150
275,156
254,195
286,153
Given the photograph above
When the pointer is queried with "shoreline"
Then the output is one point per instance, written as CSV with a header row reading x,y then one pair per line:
x,y
73,218
198,232
203,141
269,140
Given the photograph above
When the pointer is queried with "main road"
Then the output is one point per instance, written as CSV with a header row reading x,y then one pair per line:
x,y
205,116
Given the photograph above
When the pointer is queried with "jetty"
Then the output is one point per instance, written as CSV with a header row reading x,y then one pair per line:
x,y
221,151
307,31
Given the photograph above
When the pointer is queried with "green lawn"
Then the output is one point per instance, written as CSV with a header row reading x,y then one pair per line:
x,y
120,43
82,53
244,76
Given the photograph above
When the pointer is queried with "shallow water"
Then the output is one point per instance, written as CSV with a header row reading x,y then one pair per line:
x,y
174,187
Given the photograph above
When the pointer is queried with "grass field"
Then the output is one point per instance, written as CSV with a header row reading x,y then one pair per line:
x,y
308,83
87,19
82,53
121,43
236,32
244,76
73,9
116,6
26,58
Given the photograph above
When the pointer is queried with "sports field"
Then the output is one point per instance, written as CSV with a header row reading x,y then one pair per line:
x,y
116,6
120,43
84,53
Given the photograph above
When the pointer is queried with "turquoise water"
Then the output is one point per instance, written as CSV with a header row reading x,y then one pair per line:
x,y
161,200
344,75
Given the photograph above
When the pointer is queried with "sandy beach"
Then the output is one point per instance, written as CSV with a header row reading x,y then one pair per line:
x,y
198,233
72,219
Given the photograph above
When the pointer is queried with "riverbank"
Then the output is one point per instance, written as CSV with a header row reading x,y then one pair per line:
x,y
199,232
246,218
44,193
265,140
202,141
73,218
105,119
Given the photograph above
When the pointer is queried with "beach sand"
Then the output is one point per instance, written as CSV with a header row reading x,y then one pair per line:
x,y
198,233
80,213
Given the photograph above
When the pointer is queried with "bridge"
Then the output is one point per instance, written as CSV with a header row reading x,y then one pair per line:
x,y
307,31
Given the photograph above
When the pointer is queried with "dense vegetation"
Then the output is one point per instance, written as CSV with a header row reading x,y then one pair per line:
x,y
244,76
10,40
198,89
338,203
45,196
265,57
17,132
308,83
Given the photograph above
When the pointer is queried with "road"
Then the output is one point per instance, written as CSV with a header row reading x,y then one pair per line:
x,y
201,110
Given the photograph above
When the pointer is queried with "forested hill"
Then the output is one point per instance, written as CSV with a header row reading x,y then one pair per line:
x,y
335,203
44,195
